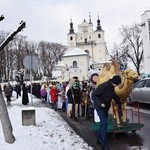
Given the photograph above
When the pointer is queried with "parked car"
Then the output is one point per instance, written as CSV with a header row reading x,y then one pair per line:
x,y
141,91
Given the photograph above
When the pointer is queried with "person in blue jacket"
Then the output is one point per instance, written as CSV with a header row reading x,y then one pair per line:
x,y
102,97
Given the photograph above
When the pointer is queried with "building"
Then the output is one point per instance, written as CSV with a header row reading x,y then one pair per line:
x,y
86,51
90,40
145,25
76,63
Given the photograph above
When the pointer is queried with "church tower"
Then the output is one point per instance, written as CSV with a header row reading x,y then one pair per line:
x,y
90,40
71,36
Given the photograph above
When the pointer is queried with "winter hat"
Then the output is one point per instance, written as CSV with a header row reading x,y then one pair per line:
x,y
116,79
75,84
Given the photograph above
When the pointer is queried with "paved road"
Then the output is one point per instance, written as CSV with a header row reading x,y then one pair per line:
x,y
121,141
83,128
117,141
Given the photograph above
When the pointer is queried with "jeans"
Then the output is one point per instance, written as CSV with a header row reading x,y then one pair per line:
x,y
102,133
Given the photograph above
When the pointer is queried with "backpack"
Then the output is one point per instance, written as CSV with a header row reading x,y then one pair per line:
x,y
43,92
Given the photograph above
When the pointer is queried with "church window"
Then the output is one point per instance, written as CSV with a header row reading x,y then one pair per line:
x,y
87,51
74,64
85,40
71,38
89,37
81,37
99,35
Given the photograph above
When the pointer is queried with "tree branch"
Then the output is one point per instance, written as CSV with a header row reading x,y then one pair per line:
x,y
1,17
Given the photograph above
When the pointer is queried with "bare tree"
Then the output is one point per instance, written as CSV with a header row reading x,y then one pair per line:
x,y
132,44
119,55
49,53
11,36
5,120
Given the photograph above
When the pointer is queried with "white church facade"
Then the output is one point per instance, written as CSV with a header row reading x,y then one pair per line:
x,y
90,40
86,51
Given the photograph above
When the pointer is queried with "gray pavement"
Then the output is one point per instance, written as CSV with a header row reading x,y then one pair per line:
x,y
119,141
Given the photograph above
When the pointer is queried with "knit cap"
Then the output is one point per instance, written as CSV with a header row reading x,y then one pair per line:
x,y
116,79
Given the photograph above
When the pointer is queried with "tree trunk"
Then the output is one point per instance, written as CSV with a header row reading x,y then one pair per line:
x,y
6,124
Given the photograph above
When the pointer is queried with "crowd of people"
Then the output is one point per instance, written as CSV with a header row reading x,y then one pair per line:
x,y
72,96
8,90
76,98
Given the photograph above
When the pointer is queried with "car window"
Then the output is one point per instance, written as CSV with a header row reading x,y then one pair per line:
x,y
139,84
147,83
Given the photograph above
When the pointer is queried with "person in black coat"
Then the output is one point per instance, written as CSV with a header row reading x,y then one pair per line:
x,y
102,97
8,93
74,99
18,90
25,98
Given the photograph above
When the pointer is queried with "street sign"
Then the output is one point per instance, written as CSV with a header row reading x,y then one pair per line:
x,y
31,62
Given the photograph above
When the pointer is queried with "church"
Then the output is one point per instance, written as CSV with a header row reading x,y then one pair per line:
x,y
86,52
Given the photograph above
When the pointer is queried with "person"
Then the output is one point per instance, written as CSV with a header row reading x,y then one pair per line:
x,y
74,99
48,95
85,99
11,88
66,90
94,78
8,93
43,93
18,90
102,97
25,98
60,93
54,96
92,87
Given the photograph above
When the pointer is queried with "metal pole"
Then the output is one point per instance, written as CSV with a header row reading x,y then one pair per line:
x,y
31,78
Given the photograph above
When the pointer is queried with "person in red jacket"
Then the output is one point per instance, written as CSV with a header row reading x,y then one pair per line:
x,y
54,96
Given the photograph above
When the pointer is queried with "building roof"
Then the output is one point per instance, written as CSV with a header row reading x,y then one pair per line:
x,y
75,52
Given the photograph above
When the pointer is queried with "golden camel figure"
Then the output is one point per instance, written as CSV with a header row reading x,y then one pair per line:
x,y
123,91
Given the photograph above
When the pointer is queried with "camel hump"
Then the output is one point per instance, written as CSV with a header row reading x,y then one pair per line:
x,y
106,67
115,67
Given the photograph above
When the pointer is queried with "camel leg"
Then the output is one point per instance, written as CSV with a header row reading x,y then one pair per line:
x,y
114,110
124,117
117,115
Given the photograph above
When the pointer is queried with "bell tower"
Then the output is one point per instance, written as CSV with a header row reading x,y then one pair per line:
x,y
71,36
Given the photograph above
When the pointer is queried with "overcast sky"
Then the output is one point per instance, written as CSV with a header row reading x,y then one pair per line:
x,y
49,20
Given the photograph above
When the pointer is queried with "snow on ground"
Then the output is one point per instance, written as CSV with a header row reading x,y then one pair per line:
x,y
50,133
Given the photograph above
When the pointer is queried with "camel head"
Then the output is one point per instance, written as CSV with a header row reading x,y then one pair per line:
x,y
131,74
